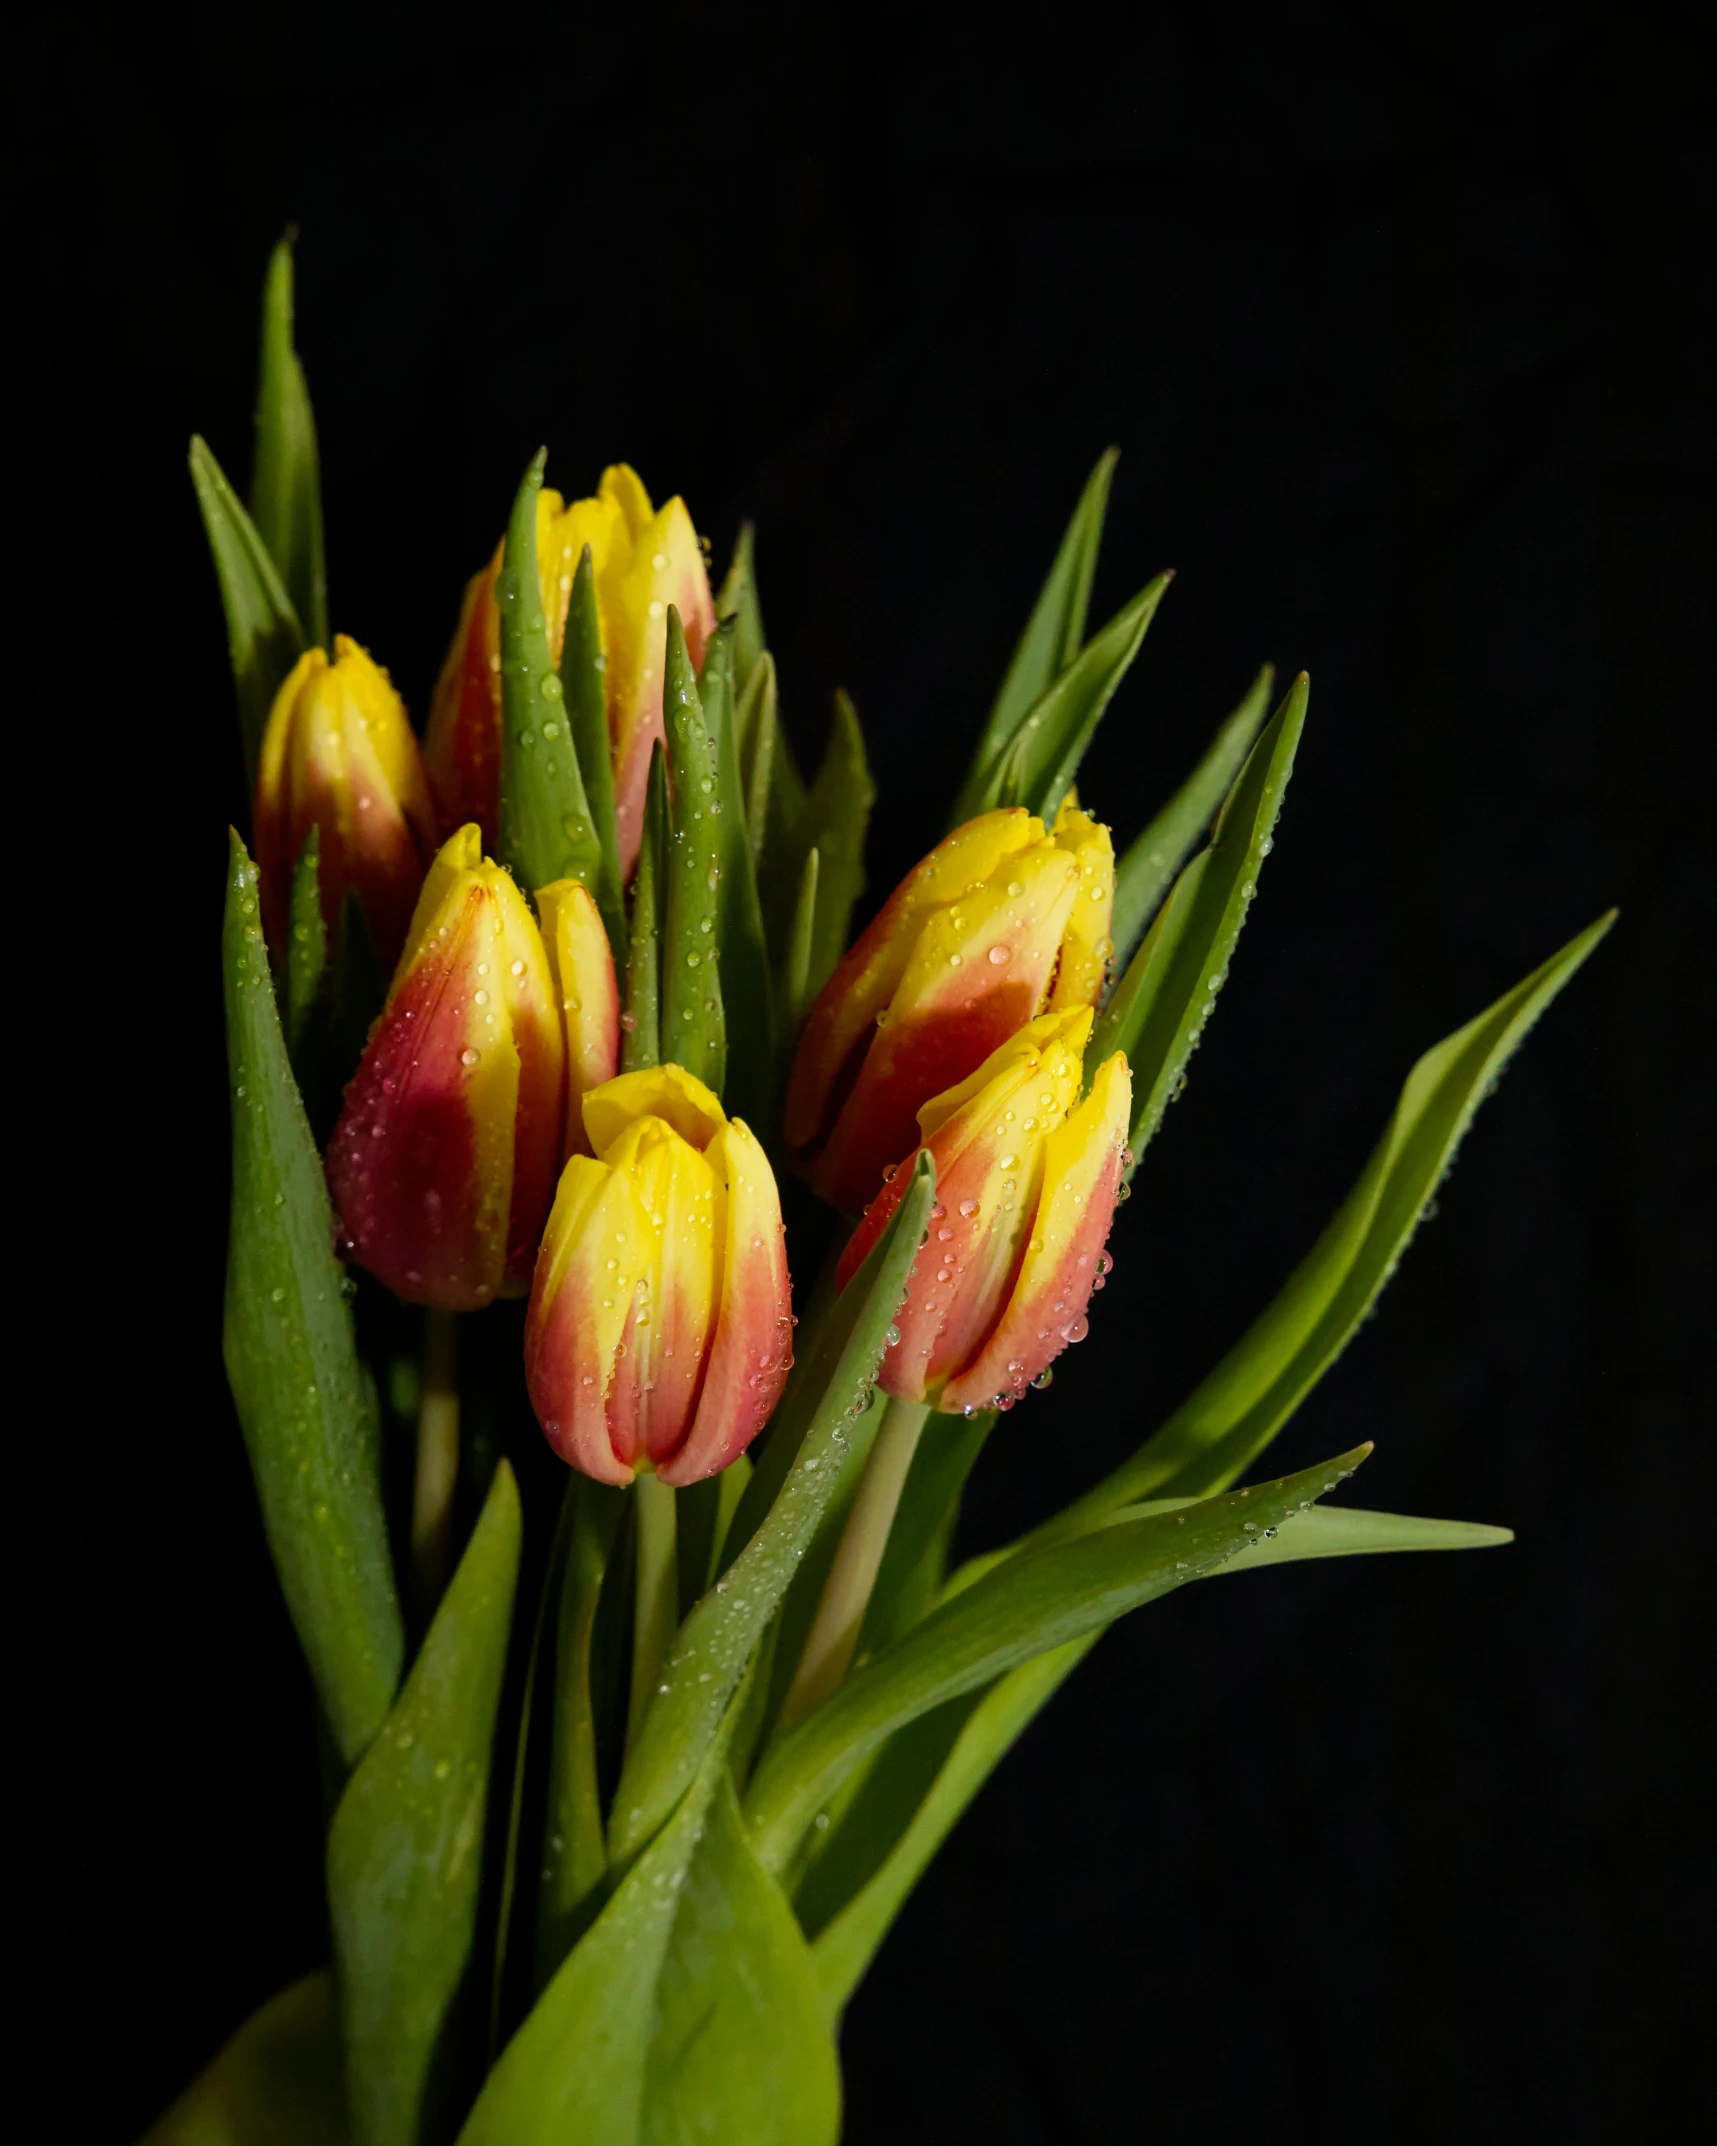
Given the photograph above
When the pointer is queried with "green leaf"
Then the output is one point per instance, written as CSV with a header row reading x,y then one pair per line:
x,y
1158,854
1160,1006
834,823
746,993
583,669
405,1851
1232,1415
641,1030
547,831
911,1802
306,948
1036,768
575,2070
276,2083
1052,638
1038,1599
305,1404
694,1018
286,479
1344,1531
716,1641
742,2054
796,993
756,731
738,601
264,638
575,1853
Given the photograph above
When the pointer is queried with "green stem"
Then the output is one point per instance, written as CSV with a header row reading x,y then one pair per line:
x,y
656,1609
846,1592
437,1463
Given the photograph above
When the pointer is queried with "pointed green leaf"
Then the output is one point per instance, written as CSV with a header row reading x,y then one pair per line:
x,y
756,727
1038,1599
276,2083
1153,860
547,831
575,1853
1344,1531
405,1851
583,680
738,601
1037,766
742,2054
576,2068
694,1017
834,823
641,1026
286,480
1233,1414
1052,638
716,1641
264,638
747,995
306,947
1160,1006
796,993
304,1401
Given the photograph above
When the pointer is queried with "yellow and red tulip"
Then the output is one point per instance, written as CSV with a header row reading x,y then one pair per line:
x,y
660,1328
644,559
338,754
1002,921
443,1163
1026,1181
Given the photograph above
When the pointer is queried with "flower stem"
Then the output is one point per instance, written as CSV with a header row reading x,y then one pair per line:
x,y
437,1463
847,1591
656,1608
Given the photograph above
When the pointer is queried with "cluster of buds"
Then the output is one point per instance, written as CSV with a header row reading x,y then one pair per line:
x,y
643,559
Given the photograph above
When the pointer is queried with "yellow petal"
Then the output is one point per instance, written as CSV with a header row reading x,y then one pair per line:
x,y
667,1092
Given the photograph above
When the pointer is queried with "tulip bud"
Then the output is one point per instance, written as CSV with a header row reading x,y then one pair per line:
x,y
338,755
999,923
443,1163
643,561
660,1332
1026,1182
581,962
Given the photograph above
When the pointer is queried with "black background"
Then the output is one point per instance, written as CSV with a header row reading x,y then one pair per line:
x,y
1401,321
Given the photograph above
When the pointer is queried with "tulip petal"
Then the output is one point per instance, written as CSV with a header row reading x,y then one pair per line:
x,y
668,1092
515,992
979,972
654,1391
666,567
1087,944
622,485
1047,1307
869,975
753,1347
580,1308
581,965
421,1162
463,744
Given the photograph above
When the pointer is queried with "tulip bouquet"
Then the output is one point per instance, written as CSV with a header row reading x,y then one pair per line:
x,y
617,1526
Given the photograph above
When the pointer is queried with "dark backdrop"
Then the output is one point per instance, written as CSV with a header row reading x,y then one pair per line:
x,y
1401,322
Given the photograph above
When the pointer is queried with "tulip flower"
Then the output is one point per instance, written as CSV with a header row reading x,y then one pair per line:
x,y
1026,1182
1001,922
581,963
338,754
644,559
443,1163
659,1333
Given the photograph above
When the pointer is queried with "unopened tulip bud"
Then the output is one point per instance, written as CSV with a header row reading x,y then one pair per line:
x,y
660,1328
1001,922
581,963
1026,1182
339,755
443,1163
643,560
